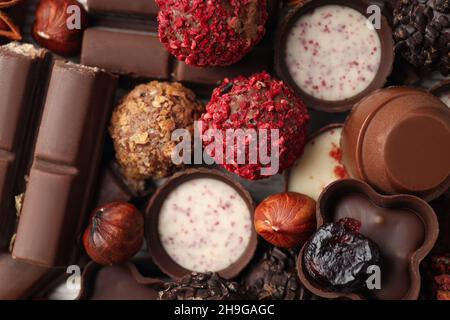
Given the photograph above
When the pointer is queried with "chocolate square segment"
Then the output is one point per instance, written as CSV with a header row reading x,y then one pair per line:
x,y
127,52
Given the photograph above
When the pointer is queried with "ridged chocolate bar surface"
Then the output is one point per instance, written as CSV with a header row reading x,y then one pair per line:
x,y
23,73
64,171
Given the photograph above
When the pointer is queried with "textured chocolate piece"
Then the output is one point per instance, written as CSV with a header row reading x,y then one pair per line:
x,y
404,227
23,72
160,256
398,140
126,52
138,7
20,280
274,277
66,158
281,68
422,33
201,286
120,282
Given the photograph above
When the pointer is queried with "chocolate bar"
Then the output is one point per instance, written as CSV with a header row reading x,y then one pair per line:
x,y
126,52
140,55
23,76
65,163
138,7
20,280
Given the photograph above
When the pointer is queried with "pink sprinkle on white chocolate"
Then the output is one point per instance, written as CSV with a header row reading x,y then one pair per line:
x,y
212,231
332,54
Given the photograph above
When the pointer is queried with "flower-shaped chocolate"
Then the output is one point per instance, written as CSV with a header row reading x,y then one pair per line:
x,y
404,227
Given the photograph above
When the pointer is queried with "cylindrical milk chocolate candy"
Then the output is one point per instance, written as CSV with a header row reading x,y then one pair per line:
x,y
23,73
398,140
64,171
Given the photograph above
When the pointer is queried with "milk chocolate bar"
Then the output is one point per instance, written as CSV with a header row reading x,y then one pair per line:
x,y
141,55
127,52
23,72
138,7
65,162
20,280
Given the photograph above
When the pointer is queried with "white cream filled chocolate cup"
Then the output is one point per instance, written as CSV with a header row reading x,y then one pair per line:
x,y
201,220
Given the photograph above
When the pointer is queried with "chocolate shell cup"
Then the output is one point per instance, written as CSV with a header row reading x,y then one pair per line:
x,y
385,68
157,251
119,282
404,227
398,140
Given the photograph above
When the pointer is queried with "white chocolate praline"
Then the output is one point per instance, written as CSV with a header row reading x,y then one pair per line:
x,y
332,53
204,225
445,97
319,166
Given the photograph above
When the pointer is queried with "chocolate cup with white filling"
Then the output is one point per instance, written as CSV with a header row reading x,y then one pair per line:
x,y
385,68
398,140
404,227
287,173
157,251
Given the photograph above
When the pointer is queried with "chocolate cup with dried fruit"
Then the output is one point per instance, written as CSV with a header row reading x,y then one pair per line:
x,y
159,254
404,227
282,69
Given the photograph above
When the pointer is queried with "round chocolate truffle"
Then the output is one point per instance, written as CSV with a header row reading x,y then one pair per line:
x,y
211,33
142,126
260,105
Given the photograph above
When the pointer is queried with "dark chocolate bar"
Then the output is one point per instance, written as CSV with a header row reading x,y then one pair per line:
x,y
127,52
138,7
66,158
23,76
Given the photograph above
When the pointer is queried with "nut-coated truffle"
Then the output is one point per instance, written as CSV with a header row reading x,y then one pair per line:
x,y
211,33
142,126
258,102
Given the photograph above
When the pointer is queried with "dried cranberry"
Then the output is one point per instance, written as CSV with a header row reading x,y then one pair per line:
x,y
337,256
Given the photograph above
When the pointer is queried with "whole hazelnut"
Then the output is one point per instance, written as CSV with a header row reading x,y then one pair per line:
x,y
58,28
286,219
115,233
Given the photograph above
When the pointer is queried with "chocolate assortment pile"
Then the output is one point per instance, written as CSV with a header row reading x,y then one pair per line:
x,y
116,162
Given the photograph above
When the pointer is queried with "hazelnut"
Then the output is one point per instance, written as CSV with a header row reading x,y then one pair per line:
x,y
115,233
53,27
286,219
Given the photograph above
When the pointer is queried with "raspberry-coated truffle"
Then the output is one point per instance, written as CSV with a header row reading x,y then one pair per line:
x,y
211,33
142,125
257,102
